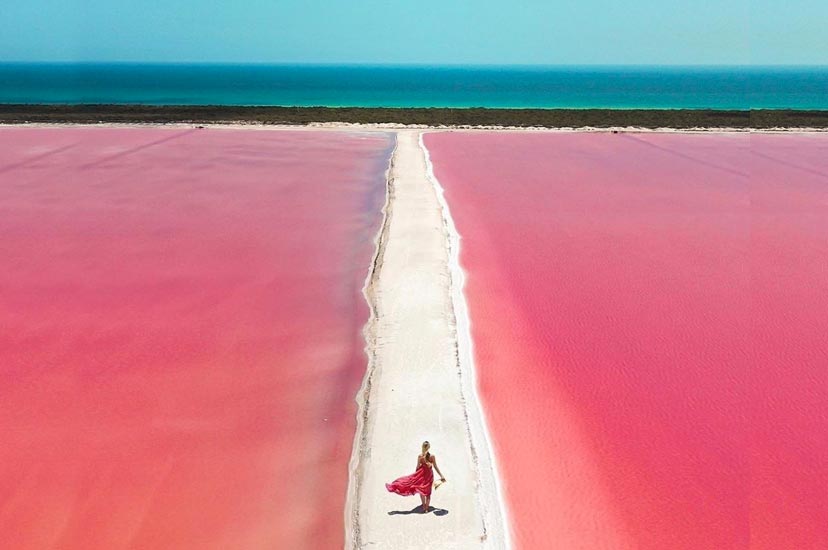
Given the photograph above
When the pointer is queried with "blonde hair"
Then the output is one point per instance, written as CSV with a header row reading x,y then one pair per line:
x,y
426,446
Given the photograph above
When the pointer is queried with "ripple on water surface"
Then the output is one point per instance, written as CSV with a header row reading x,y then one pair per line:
x,y
181,344
648,315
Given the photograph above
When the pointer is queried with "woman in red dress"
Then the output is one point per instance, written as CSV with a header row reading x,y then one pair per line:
x,y
421,480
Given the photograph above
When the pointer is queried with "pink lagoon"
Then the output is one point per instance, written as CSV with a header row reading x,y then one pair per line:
x,y
180,333
648,318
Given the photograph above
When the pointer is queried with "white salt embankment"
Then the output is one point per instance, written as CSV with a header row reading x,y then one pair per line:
x,y
420,381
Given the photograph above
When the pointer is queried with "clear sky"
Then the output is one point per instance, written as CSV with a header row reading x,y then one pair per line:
x,y
418,31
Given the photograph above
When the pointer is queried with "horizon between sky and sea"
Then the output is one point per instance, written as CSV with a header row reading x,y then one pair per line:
x,y
457,86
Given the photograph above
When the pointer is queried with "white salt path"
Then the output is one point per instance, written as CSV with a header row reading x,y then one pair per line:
x,y
419,384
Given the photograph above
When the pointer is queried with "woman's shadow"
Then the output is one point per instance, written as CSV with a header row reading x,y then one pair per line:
x,y
419,510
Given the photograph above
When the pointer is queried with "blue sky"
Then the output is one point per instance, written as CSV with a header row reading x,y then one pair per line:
x,y
422,31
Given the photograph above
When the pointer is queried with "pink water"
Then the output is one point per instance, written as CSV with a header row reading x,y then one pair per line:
x,y
649,317
180,334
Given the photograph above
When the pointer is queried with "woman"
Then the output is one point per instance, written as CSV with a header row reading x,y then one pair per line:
x,y
420,481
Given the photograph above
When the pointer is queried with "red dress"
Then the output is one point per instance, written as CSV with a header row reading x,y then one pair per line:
x,y
418,482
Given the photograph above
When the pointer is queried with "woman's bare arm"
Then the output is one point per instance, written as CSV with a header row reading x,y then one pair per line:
x,y
434,462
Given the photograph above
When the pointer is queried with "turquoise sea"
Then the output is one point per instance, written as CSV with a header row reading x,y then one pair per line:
x,y
418,86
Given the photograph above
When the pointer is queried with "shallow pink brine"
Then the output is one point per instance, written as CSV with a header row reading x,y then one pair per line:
x,y
648,314
180,334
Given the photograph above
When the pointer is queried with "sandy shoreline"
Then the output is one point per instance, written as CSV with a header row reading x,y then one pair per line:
x,y
385,127
417,386
413,117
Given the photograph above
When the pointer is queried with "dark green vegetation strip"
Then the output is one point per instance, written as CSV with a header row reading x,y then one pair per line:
x,y
601,118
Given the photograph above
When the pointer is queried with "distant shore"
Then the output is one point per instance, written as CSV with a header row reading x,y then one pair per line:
x,y
431,117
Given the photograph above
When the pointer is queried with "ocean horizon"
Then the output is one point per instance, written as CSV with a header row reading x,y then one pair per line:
x,y
572,87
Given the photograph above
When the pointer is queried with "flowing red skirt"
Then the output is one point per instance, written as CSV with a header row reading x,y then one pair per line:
x,y
418,482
